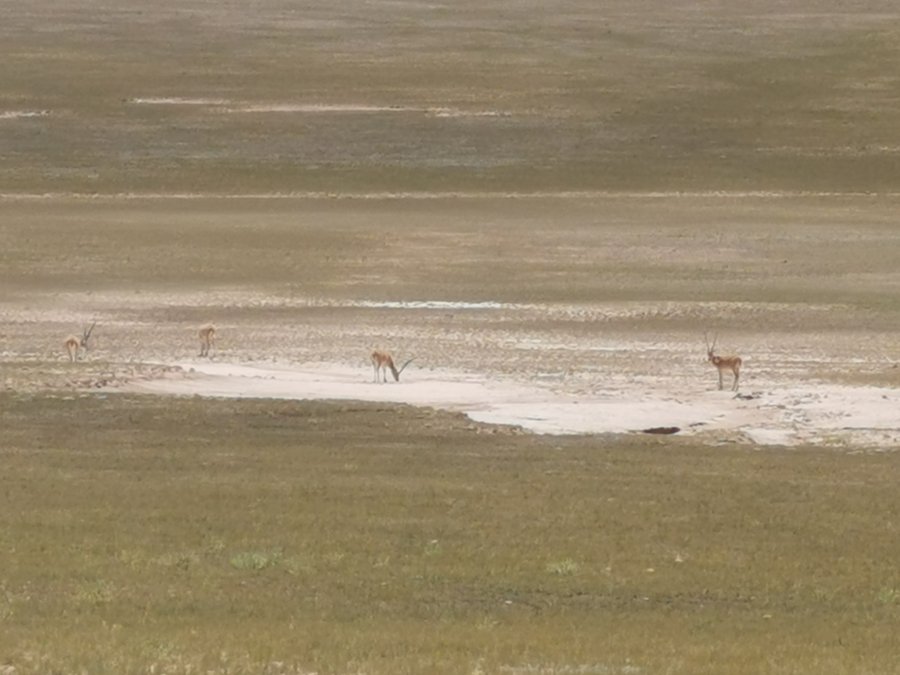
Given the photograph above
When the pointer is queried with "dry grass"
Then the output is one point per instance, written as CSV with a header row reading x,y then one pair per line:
x,y
655,96
837,250
161,535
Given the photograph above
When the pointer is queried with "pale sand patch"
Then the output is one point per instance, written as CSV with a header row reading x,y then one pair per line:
x,y
362,108
314,108
22,114
179,100
814,414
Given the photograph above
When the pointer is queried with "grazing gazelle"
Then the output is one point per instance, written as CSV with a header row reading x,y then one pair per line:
x,y
74,343
207,336
382,361
723,363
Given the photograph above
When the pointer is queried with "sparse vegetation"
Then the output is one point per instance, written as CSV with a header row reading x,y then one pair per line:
x,y
190,96
255,561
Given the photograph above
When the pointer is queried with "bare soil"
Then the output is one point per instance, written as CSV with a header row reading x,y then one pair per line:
x,y
559,314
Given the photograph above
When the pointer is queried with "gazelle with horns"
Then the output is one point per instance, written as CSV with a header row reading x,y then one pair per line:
x,y
382,361
74,344
723,363
207,335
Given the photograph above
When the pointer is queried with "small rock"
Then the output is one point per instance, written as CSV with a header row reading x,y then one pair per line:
x,y
661,430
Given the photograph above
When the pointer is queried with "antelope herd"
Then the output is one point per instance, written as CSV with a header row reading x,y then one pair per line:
x,y
382,361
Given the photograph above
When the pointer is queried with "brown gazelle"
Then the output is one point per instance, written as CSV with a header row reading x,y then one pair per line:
x,y
723,363
74,344
382,361
207,336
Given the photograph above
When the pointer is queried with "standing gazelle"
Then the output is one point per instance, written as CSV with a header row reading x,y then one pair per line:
x,y
723,363
207,336
382,361
74,343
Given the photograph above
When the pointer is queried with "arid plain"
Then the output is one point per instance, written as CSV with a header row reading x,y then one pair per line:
x,y
568,314
547,208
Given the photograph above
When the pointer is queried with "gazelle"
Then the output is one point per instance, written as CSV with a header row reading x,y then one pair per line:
x,y
382,361
74,343
723,363
207,336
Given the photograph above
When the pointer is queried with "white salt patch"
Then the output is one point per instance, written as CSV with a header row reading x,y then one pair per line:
x,y
321,108
361,108
844,407
22,114
594,416
788,416
456,112
433,304
178,100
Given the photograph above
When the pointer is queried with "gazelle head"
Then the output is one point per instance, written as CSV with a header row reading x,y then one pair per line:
x,y
85,336
396,373
710,349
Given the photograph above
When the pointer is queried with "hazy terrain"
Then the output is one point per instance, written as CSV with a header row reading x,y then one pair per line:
x,y
360,96
590,299
558,196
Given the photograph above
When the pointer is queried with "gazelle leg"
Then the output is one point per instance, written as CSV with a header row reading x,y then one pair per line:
x,y
720,381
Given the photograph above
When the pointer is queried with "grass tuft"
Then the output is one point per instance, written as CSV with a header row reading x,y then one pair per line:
x,y
255,561
563,568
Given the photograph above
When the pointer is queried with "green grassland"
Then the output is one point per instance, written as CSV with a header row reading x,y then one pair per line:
x,y
143,535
